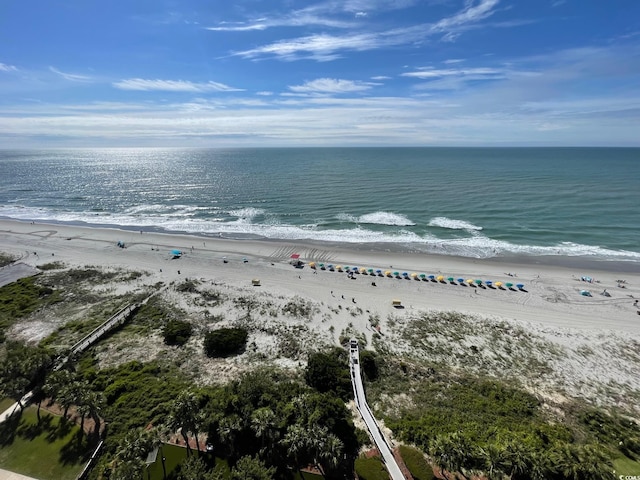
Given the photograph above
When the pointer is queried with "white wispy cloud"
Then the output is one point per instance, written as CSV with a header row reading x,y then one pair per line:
x,y
429,73
7,68
330,86
142,84
320,47
470,14
324,47
70,76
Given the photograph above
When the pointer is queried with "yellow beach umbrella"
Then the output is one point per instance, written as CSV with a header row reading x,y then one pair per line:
x,y
498,284
387,273
339,268
312,264
470,281
440,278
414,275
363,270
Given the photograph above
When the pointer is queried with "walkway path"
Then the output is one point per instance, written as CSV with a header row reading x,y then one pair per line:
x,y
7,475
361,402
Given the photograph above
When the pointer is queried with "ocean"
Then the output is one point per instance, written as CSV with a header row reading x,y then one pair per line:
x,y
470,202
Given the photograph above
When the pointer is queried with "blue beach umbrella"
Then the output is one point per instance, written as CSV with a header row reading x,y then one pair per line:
x,y
405,274
520,286
432,277
460,281
379,272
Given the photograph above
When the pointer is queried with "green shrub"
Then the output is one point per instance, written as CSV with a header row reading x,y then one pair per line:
x,y
369,364
329,372
370,469
177,332
225,341
416,463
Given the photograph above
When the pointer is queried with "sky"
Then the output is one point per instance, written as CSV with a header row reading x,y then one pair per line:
x,y
279,73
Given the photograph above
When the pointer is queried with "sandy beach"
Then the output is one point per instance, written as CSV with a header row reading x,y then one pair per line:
x,y
550,307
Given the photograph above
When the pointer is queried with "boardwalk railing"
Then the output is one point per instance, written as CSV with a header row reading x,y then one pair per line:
x,y
372,425
118,319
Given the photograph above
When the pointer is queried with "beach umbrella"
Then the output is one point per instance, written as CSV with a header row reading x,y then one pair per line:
x,y
470,281
396,274
346,268
488,283
355,269
321,265
520,286
440,278
414,275
460,280
405,274
312,264
378,271
339,268
423,275
450,279
478,282
364,271
370,270
432,277
498,284
387,273
509,284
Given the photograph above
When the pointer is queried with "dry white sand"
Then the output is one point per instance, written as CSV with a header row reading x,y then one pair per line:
x,y
589,330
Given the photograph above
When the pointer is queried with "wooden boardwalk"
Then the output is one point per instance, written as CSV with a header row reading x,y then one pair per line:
x,y
363,407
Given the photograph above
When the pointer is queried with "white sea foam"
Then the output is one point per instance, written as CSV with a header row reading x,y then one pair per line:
x,y
247,214
444,222
475,246
378,218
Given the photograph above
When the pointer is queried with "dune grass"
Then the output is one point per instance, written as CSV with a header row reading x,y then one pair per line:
x,y
49,450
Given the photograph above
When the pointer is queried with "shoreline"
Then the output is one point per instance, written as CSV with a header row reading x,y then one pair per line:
x,y
524,260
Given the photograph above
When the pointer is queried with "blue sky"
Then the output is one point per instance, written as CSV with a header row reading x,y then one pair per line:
x,y
207,73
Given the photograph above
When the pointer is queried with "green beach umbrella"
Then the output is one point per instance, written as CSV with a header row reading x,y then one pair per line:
x,y
478,282
508,284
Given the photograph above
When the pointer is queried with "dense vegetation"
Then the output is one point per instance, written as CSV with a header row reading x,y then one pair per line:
x,y
177,332
329,372
225,341
470,424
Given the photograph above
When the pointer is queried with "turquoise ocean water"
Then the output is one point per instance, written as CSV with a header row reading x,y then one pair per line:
x,y
472,202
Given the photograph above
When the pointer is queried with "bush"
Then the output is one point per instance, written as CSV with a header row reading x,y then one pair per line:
x,y
329,372
416,463
225,341
369,364
370,469
177,332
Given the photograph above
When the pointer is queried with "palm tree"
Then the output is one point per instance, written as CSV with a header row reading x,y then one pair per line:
x,y
263,423
296,442
333,448
229,429
185,416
